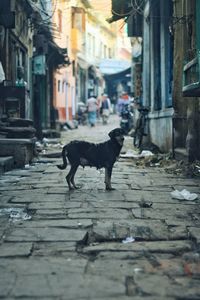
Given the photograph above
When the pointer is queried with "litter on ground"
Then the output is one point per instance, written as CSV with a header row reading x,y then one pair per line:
x,y
184,195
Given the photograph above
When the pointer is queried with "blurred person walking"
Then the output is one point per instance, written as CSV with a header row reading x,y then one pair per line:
x,y
92,106
105,108
122,100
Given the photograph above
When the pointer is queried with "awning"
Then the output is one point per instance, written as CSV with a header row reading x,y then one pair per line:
x,y
83,64
125,73
113,66
61,57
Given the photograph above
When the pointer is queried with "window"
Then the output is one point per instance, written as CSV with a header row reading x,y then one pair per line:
x,y
60,20
105,51
109,53
59,86
93,46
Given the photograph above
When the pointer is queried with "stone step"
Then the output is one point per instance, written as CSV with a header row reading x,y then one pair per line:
x,y
6,164
18,132
22,150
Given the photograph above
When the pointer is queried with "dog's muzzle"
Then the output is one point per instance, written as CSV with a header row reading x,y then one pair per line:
x,y
120,139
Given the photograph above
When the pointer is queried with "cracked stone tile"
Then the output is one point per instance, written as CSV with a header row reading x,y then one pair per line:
x,y
60,223
67,249
161,247
89,213
15,250
36,197
75,286
139,229
45,234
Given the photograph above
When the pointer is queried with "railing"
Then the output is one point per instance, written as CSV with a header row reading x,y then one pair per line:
x,y
191,78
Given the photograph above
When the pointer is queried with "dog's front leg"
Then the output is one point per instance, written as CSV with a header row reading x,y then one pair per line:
x,y
108,174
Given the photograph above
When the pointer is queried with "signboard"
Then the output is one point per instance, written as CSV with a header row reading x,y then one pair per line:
x,y
39,65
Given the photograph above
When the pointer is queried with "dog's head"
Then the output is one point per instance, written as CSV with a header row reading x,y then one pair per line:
x,y
117,134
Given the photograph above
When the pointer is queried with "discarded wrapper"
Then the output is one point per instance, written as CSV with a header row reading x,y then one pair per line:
x,y
133,154
184,195
128,240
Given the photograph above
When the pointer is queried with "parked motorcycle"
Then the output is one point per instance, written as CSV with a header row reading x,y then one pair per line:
x,y
126,122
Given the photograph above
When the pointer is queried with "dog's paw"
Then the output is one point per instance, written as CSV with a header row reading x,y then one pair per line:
x,y
78,187
71,188
109,188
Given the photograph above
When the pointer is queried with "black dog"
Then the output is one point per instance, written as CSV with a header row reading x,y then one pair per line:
x,y
102,155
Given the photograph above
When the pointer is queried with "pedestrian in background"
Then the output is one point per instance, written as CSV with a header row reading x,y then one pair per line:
x,y
123,100
99,101
105,108
92,106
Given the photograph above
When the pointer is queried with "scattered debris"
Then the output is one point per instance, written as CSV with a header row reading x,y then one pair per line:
x,y
128,240
192,257
15,214
145,204
138,270
133,154
185,168
27,166
184,195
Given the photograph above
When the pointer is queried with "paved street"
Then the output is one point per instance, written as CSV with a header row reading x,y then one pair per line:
x,y
57,244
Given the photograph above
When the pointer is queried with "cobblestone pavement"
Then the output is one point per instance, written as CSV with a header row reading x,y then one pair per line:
x,y
57,244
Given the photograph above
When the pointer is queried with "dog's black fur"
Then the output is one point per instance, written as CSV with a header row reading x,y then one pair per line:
x,y
102,155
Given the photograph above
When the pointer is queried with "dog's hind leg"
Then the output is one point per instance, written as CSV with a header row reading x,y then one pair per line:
x,y
70,177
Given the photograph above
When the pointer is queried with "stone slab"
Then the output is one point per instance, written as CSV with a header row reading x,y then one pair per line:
x,y
139,229
75,286
35,197
161,247
45,234
15,249
89,213
102,195
70,224
57,249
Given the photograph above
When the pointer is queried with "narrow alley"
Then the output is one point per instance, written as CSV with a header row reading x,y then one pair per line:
x,y
136,241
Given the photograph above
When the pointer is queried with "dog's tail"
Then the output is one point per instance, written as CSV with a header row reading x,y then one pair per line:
x,y
64,165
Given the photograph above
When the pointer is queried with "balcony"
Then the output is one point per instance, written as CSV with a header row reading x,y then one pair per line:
x,y
191,78
77,40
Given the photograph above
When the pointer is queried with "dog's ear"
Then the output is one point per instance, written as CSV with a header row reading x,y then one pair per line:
x,y
112,133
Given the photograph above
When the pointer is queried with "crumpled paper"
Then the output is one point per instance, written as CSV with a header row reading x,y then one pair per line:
x,y
128,240
133,154
184,195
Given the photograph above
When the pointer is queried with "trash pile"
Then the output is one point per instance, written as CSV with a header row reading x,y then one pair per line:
x,y
186,169
148,159
48,146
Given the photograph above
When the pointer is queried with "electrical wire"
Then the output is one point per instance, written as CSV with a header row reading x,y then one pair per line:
x,y
138,7
44,12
